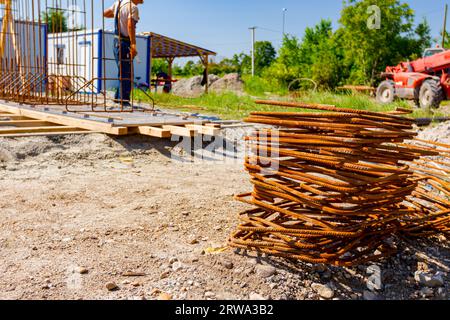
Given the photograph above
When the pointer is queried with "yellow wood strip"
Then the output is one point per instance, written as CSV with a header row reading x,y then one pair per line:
x,y
37,129
208,131
181,131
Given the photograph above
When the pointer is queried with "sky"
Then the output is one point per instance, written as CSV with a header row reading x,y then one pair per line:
x,y
222,26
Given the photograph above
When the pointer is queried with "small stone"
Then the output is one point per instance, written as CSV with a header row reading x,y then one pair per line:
x,y
323,290
429,280
135,284
320,268
354,296
177,266
370,296
256,297
193,241
111,286
154,292
185,213
265,271
228,265
374,282
326,275
66,239
165,297
441,294
173,260
273,286
164,275
427,292
209,294
82,270
126,282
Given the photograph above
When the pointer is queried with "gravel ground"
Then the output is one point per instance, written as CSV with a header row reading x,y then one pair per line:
x,y
96,217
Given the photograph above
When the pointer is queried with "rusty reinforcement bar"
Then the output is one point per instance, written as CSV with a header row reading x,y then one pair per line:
x,y
51,51
337,187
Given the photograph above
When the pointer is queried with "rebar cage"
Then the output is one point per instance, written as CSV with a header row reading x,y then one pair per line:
x,y
65,72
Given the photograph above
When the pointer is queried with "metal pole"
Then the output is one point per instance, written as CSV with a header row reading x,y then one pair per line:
x,y
444,32
284,21
252,29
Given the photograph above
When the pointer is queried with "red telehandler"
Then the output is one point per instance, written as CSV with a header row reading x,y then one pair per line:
x,y
426,80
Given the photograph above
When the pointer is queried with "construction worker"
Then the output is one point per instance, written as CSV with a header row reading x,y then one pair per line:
x,y
126,16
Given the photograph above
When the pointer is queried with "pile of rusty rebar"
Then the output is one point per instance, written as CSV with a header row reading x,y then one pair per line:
x,y
338,186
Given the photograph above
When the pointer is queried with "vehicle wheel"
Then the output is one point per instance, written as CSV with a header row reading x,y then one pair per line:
x,y
386,92
431,94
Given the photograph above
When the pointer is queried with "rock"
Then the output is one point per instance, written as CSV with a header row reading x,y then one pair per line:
x,y
228,265
441,294
165,297
323,291
265,271
209,294
326,275
154,292
173,260
230,82
135,284
111,286
126,282
429,280
164,275
427,292
321,268
193,241
374,282
370,296
256,297
190,88
82,270
177,266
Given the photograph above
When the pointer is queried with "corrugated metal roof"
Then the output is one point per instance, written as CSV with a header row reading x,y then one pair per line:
x,y
165,47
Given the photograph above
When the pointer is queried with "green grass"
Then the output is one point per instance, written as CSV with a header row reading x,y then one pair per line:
x,y
231,106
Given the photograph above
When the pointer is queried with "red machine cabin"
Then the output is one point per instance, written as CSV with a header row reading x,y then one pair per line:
x,y
426,80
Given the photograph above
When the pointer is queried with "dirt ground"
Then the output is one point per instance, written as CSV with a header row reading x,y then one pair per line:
x,y
83,212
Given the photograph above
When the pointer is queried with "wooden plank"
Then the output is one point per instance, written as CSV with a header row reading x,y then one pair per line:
x,y
154,132
66,120
37,129
181,131
41,134
207,131
25,123
214,125
4,116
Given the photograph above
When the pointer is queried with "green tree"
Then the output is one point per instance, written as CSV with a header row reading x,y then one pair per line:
x,y
56,21
265,54
368,50
315,57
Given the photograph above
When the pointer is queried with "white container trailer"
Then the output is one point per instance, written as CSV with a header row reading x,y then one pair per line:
x,y
25,56
95,60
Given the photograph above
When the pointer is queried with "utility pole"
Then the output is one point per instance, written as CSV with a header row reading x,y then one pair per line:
x,y
253,29
284,21
444,32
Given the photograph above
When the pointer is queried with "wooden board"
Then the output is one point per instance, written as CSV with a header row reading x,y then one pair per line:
x,y
65,120
37,130
46,134
27,121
